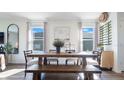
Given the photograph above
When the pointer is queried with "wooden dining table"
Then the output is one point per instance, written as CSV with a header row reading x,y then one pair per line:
x,y
43,67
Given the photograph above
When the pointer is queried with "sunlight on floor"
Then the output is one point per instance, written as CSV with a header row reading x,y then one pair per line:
x,y
96,76
7,73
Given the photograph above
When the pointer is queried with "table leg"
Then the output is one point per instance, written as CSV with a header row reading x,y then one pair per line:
x,y
45,61
40,62
84,63
90,76
85,76
36,76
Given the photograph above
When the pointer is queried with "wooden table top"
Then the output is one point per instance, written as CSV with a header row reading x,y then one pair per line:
x,y
81,54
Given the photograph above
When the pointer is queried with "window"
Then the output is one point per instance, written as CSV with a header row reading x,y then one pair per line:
x,y
38,38
105,35
87,39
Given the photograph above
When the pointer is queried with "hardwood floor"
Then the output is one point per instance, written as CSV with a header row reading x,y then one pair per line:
x,y
16,72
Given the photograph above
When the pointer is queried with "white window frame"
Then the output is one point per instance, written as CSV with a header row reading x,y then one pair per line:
x,y
87,39
30,35
40,38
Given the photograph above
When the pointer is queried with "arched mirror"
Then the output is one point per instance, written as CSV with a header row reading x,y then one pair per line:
x,y
13,37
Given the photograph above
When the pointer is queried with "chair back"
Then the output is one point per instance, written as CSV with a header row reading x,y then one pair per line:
x,y
70,51
52,51
99,55
25,55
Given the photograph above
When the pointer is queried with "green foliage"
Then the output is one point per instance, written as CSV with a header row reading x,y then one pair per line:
x,y
8,48
100,45
58,43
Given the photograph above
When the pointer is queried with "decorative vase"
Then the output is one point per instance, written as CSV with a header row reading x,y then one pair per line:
x,y
58,49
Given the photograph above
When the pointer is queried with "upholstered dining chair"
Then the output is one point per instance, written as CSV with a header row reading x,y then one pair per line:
x,y
52,60
71,59
94,61
28,60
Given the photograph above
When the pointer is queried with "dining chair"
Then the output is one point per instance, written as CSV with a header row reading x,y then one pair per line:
x,y
95,61
52,59
71,59
29,60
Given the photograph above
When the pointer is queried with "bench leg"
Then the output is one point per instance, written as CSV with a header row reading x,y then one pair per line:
x,y
88,76
85,76
36,76
66,62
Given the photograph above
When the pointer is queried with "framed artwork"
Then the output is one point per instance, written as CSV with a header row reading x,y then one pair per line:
x,y
62,33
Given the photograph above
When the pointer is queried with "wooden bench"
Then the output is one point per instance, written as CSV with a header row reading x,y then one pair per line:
x,y
88,70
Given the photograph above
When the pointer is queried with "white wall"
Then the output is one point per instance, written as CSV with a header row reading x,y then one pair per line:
x,y
114,47
16,58
117,40
121,41
113,18
117,20
74,33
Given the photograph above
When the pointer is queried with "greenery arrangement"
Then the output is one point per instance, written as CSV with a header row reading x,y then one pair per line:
x,y
8,48
100,46
58,43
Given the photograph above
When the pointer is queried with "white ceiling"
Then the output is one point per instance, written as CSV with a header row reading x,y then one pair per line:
x,y
50,15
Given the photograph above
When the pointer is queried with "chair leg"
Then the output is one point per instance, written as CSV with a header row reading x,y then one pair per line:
x,y
74,63
100,75
66,62
77,62
25,75
57,62
25,71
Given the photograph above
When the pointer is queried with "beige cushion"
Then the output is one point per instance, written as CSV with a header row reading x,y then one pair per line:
x,y
72,60
91,61
32,61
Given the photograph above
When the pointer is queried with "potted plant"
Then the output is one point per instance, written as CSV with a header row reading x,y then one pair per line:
x,y
100,47
8,50
58,44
